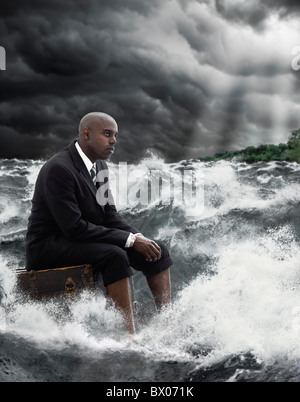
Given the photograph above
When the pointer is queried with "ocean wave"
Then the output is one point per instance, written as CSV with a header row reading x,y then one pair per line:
x,y
235,282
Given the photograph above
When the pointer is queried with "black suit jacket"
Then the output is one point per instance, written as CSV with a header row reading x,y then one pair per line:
x,y
64,203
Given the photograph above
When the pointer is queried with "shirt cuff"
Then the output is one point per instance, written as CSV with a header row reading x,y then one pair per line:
x,y
131,239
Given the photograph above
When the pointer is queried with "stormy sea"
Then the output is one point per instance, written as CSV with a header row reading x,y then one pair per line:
x,y
235,314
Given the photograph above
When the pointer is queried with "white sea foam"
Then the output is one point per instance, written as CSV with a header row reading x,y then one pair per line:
x,y
248,299
247,305
8,209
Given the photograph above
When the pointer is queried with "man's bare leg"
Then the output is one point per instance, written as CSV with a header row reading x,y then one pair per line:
x,y
120,293
160,286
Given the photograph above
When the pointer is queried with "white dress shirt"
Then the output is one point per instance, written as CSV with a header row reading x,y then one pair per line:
x,y
88,163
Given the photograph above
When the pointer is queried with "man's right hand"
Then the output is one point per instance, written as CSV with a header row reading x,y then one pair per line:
x,y
148,248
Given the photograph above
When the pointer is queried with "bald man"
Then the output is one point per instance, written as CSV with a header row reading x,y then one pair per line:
x,y
68,226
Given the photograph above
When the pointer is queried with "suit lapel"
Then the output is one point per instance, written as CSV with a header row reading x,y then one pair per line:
x,y
87,178
79,164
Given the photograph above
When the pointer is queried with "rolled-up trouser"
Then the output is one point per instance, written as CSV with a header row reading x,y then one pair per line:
x,y
113,262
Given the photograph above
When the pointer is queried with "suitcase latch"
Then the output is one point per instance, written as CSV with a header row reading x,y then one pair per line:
x,y
70,287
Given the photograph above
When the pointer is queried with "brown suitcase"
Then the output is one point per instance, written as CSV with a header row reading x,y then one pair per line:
x,y
67,281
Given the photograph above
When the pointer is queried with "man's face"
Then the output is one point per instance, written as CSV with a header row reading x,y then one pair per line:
x,y
102,138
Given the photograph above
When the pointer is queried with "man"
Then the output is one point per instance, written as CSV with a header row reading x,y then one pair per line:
x,y
68,227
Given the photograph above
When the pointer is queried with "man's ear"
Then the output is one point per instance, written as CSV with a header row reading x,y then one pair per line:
x,y
86,133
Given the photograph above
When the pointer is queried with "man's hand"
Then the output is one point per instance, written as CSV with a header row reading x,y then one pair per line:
x,y
148,248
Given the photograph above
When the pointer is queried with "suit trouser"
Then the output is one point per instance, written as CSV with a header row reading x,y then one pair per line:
x,y
113,262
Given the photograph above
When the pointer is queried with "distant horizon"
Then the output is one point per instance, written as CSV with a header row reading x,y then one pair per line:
x,y
146,155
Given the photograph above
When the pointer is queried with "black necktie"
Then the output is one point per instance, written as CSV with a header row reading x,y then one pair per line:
x,y
94,174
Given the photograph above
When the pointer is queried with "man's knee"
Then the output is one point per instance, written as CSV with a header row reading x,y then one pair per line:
x,y
116,266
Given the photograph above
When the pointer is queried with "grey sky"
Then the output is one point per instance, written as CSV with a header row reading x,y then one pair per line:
x,y
185,78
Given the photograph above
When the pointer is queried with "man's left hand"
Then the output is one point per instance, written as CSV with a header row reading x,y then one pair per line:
x,y
148,248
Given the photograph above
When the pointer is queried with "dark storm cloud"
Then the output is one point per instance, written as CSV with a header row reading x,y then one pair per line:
x,y
65,60
176,75
69,61
285,7
255,13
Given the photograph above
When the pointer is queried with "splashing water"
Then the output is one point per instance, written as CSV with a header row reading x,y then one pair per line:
x,y
236,294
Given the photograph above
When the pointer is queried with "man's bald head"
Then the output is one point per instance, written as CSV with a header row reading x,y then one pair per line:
x,y
92,120
97,135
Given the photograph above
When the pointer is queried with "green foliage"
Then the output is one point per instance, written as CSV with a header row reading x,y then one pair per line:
x,y
293,152
295,136
282,152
